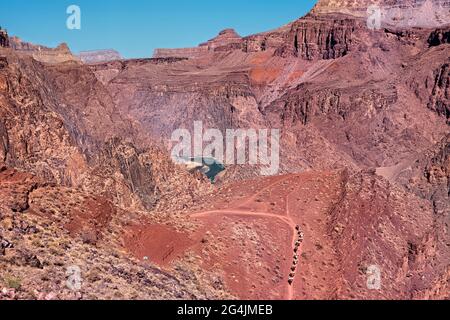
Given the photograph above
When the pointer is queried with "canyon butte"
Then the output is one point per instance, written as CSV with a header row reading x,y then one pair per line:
x,y
87,181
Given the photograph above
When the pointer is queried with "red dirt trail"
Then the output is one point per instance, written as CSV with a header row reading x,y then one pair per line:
x,y
248,234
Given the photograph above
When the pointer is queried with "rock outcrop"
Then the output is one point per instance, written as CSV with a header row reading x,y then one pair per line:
x,y
4,38
316,38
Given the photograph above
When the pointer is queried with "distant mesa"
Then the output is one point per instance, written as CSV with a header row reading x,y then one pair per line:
x,y
99,56
227,40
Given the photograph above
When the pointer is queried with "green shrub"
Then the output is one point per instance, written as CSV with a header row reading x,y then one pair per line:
x,y
13,283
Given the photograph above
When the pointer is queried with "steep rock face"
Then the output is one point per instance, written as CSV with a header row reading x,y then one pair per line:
x,y
59,122
431,85
136,168
29,129
312,38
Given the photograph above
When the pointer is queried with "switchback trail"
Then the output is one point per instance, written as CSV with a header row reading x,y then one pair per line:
x,y
246,213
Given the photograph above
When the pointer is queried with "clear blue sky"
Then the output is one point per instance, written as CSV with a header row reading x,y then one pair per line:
x,y
136,27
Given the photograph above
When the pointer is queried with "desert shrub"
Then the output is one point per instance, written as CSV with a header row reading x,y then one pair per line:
x,y
13,283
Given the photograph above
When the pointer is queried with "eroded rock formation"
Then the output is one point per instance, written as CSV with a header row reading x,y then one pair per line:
x,y
363,116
